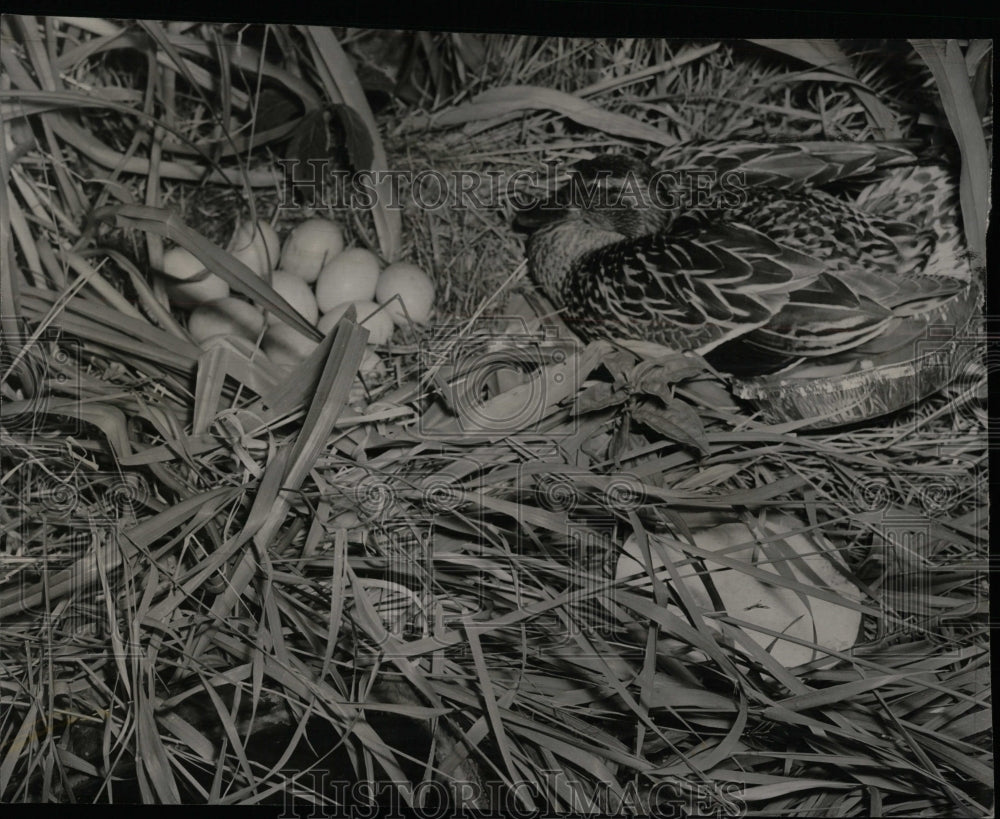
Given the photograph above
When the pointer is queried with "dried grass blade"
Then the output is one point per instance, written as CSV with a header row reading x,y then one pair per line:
x,y
249,59
213,367
587,758
36,301
100,153
288,469
9,295
189,735
827,54
151,755
207,503
511,99
170,355
686,55
672,625
22,232
33,44
17,745
298,384
838,693
229,726
774,790
778,580
944,58
110,420
328,402
487,692
342,85
302,681
261,510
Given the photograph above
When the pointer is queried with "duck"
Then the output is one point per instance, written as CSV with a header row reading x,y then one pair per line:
x,y
759,257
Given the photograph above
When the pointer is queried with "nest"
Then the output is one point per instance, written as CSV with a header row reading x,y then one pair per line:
x,y
224,577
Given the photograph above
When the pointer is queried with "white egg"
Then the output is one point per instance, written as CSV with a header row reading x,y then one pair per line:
x,y
229,316
180,265
256,245
285,345
350,276
297,293
310,246
377,322
414,288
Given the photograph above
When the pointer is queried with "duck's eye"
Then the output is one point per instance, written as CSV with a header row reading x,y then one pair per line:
x,y
628,198
611,192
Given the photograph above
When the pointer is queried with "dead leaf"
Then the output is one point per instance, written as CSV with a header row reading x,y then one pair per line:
x,y
618,363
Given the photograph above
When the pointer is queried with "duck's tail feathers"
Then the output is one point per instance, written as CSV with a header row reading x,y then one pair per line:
x,y
792,165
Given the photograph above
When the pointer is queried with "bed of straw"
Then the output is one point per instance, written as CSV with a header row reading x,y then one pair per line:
x,y
222,582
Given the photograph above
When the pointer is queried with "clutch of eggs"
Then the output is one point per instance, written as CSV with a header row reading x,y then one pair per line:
x,y
316,276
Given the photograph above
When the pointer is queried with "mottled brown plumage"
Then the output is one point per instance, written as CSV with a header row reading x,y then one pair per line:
x,y
768,263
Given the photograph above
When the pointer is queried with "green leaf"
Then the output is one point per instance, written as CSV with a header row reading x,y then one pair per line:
x,y
274,109
598,397
678,422
360,150
619,364
621,439
311,140
656,377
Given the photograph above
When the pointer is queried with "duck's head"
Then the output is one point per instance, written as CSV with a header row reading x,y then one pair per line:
x,y
609,193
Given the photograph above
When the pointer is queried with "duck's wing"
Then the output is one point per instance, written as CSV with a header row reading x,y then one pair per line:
x,y
692,291
826,318
858,312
